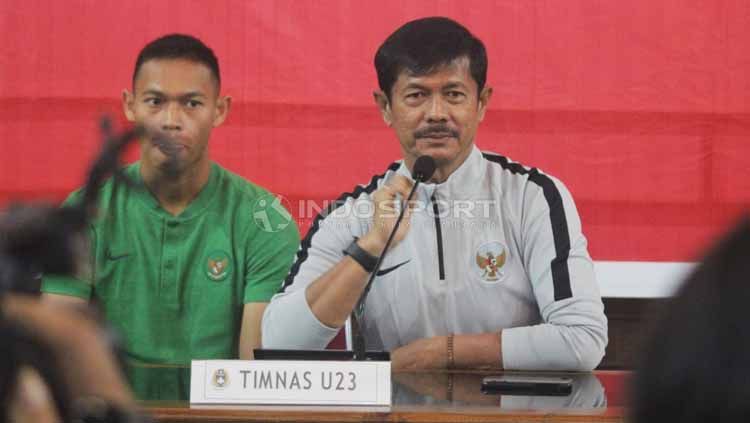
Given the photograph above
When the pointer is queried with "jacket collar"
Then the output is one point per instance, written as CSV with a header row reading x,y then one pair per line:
x,y
462,184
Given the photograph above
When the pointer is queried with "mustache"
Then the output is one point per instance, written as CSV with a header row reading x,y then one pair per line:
x,y
440,129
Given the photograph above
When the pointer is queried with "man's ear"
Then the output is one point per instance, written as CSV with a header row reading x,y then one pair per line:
x,y
484,99
384,105
128,106
223,104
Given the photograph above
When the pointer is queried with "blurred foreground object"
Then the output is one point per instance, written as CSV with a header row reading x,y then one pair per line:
x,y
696,366
57,364
37,239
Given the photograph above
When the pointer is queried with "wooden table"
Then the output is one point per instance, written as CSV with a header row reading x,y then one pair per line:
x,y
417,397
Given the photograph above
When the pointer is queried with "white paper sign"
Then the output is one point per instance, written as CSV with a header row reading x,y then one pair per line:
x,y
290,382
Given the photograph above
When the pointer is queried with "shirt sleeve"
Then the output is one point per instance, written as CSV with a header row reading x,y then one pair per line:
x,y
80,286
573,334
271,249
66,285
288,321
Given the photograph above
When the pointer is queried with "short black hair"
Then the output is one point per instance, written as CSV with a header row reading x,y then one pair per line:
x,y
178,46
695,367
423,45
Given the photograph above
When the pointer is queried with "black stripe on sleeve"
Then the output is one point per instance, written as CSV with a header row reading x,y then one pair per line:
x,y
559,265
307,241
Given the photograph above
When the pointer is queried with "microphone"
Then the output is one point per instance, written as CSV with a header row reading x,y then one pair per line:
x,y
424,167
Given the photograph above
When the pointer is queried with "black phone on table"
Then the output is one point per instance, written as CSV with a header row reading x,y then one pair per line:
x,y
527,385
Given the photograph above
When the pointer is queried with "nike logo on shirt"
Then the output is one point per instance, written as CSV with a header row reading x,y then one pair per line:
x,y
111,257
391,269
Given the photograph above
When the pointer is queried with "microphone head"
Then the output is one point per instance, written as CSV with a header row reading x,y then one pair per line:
x,y
424,167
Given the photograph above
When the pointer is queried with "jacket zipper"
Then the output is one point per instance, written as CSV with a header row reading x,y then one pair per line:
x,y
439,234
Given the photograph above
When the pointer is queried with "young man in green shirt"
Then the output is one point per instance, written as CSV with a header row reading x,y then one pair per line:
x,y
186,259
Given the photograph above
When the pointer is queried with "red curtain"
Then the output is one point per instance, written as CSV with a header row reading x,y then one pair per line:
x,y
640,107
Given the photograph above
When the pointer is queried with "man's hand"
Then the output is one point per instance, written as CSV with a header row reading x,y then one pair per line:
x,y
333,295
422,354
386,209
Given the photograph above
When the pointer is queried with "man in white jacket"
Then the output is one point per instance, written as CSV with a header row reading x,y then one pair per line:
x,y
489,266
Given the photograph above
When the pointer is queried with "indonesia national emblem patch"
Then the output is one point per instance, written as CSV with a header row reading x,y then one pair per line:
x,y
218,266
489,260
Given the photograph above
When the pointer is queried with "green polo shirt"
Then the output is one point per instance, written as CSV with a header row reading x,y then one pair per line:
x,y
174,287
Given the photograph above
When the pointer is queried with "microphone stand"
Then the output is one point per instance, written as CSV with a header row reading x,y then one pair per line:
x,y
358,340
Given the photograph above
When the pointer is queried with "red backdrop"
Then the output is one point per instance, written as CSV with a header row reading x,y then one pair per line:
x,y
641,107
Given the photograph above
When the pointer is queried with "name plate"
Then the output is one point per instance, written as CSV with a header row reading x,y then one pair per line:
x,y
290,382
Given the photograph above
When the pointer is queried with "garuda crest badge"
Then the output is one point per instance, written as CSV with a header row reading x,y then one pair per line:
x,y
490,258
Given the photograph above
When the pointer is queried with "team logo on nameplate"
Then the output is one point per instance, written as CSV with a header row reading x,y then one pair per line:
x,y
220,379
217,266
490,259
